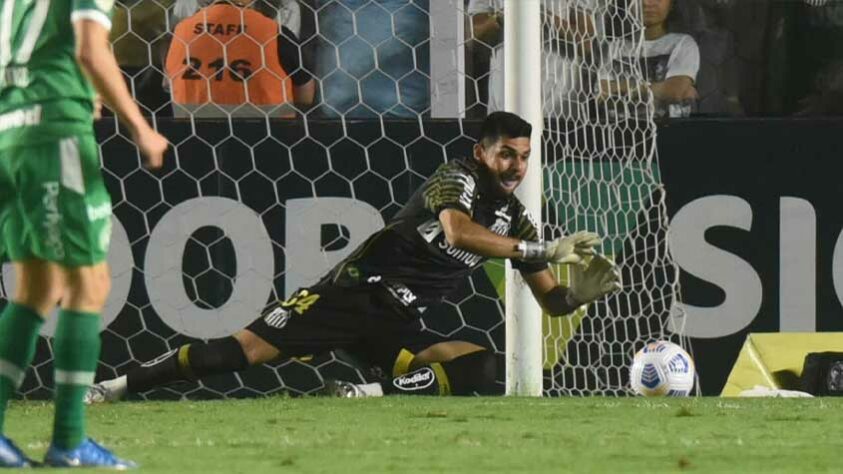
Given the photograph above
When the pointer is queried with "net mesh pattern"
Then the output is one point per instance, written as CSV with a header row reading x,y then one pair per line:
x,y
202,245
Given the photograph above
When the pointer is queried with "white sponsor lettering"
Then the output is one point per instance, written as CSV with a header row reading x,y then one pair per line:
x,y
467,195
739,281
306,260
417,380
165,256
431,229
464,256
121,264
20,118
733,274
401,293
52,219
98,212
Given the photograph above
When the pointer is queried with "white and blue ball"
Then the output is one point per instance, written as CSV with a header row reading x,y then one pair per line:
x,y
662,368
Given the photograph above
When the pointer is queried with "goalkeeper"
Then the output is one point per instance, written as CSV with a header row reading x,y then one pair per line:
x,y
371,302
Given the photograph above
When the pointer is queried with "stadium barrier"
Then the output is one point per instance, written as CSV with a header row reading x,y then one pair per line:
x,y
756,231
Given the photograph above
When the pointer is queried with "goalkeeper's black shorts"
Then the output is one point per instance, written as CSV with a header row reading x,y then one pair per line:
x,y
365,321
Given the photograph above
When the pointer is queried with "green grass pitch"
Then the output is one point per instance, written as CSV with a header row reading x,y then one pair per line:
x,y
425,435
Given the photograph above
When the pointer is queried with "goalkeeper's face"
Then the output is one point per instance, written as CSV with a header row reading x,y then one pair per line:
x,y
505,162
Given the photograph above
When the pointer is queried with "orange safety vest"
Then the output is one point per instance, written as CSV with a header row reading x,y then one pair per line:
x,y
227,55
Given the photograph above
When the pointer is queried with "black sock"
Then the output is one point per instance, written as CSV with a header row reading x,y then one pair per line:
x,y
189,362
465,375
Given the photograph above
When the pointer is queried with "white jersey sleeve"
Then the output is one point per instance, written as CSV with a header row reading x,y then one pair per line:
x,y
684,59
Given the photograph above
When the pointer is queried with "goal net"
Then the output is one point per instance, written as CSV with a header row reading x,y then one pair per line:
x,y
250,206
601,173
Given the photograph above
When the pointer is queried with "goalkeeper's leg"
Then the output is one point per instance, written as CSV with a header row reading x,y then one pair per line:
x,y
313,321
449,368
468,374
189,362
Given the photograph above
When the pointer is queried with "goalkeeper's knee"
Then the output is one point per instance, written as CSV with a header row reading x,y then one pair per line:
x,y
469,374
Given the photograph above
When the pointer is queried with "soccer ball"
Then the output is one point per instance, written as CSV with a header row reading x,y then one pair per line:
x,y
662,368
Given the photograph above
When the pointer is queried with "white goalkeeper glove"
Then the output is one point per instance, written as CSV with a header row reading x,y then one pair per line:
x,y
594,281
567,250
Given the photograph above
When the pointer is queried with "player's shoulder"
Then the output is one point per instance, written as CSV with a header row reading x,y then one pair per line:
x,y
459,168
519,212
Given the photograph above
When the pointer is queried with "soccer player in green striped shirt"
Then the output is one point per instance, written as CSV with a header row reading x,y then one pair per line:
x,y
55,212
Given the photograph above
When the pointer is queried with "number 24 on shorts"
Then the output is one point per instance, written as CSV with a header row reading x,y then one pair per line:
x,y
301,301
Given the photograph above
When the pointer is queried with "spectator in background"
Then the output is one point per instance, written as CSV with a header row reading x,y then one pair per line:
x,y
230,59
373,58
139,44
570,30
286,12
819,59
670,62
719,78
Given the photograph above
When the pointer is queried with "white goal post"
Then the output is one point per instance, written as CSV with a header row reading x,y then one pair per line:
x,y
522,57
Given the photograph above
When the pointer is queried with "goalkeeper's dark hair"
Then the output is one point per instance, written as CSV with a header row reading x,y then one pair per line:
x,y
503,124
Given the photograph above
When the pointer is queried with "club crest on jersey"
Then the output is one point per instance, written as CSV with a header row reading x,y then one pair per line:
x,y
418,380
503,222
277,318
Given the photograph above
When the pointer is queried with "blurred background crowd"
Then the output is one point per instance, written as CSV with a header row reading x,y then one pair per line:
x,y
372,58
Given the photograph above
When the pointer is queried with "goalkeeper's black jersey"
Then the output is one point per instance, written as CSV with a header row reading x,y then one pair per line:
x,y
411,258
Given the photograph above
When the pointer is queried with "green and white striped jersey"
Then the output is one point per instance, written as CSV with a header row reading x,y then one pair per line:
x,y
44,95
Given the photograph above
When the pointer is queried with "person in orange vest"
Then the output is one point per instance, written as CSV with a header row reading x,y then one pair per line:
x,y
229,59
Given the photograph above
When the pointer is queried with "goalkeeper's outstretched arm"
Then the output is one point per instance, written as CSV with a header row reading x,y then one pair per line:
x,y
465,234
589,283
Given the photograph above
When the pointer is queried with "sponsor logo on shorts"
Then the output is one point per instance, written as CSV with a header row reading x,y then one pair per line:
x,y
52,219
98,212
401,293
418,380
20,118
277,318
